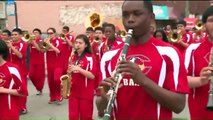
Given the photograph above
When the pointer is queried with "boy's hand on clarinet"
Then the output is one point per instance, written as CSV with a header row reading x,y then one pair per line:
x,y
133,70
105,86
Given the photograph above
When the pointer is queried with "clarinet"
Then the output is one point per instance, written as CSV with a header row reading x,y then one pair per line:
x,y
210,98
118,77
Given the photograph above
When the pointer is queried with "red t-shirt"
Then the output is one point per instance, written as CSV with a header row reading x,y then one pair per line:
x,y
53,58
36,57
197,57
109,44
10,104
21,46
187,38
83,87
165,68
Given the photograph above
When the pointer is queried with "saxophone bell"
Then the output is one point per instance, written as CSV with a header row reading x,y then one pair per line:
x,y
65,85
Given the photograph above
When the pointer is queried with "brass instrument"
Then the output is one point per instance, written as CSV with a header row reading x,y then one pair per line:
x,y
210,98
198,25
65,85
123,35
29,37
118,77
44,44
96,39
62,36
66,81
175,36
93,19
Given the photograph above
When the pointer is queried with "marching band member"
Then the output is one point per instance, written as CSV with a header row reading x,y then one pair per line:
x,y
160,34
11,86
186,38
83,68
18,56
197,58
6,36
144,92
37,67
54,67
111,40
90,34
66,47
98,39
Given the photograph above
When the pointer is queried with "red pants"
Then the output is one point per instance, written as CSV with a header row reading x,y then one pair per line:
x,y
80,108
54,82
23,99
37,75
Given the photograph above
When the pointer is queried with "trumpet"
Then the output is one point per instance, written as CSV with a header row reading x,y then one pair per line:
x,y
28,37
175,36
62,36
198,25
210,98
118,76
44,44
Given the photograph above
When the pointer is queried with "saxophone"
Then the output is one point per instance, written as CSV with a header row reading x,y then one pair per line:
x,y
118,77
66,82
210,98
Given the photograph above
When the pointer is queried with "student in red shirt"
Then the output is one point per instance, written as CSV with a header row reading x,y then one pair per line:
x,y
18,56
153,86
36,71
66,47
197,60
83,69
186,38
11,86
54,66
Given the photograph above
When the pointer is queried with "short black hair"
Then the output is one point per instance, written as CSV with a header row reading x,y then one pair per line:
x,y
18,30
4,50
147,4
7,31
66,28
99,28
181,21
36,29
110,25
207,13
90,29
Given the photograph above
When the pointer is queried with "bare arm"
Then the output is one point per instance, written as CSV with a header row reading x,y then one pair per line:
x,y
10,91
201,80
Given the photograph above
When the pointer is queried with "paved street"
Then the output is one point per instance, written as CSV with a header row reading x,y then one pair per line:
x,y
39,109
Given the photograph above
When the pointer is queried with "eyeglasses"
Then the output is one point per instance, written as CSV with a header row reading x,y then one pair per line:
x,y
50,33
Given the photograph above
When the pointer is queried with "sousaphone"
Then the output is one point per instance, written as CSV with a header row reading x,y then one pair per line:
x,y
93,19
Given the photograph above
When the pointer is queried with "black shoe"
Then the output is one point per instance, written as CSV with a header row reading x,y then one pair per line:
x,y
39,93
23,111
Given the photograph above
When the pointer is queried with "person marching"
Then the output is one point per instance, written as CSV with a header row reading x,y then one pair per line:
x,y
83,69
18,56
197,63
12,87
37,67
67,43
151,87
52,46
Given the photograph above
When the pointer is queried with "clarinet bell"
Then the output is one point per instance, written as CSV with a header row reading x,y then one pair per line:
x,y
210,103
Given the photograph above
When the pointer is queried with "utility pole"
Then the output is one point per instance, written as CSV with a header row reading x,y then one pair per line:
x,y
16,16
187,8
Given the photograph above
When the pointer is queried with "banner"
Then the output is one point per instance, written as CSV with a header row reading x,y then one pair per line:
x,y
161,12
10,4
2,10
190,22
